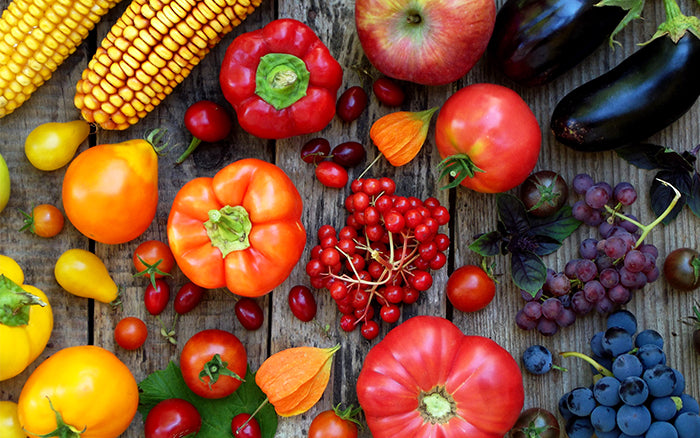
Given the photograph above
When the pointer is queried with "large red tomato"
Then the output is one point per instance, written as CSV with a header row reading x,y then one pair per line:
x,y
427,379
491,136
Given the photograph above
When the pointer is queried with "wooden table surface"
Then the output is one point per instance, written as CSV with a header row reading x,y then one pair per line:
x,y
81,321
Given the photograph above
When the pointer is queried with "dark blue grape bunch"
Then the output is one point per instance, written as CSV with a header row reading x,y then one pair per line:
x,y
635,392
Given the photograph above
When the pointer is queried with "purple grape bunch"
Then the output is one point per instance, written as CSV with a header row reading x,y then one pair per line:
x,y
609,268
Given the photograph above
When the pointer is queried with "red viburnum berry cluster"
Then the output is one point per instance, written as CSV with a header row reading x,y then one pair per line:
x,y
382,257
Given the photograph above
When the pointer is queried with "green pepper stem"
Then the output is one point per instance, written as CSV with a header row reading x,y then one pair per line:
x,y
228,229
15,303
281,79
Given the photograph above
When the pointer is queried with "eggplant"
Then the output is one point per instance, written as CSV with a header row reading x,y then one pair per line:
x,y
642,95
535,41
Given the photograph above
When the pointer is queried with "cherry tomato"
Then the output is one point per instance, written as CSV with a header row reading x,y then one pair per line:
x,y
213,363
153,259
349,154
332,174
130,333
206,121
682,269
45,220
302,303
333,424
315,150
491,137
351,104
249,313
470,288
250,430
544,193
388,92
156,298
172,418
52,145
536,423
188,297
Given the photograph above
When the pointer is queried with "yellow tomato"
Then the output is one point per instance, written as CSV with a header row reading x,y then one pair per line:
x,y
10,426
4,184
87,387
25,331
51,146
82,273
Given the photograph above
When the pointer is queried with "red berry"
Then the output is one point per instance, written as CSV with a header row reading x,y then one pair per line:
x,y
302,303
331,174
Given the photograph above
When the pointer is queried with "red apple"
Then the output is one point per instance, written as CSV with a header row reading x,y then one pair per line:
x,y
429,42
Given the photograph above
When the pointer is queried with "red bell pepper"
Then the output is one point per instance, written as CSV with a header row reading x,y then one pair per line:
x,y
281,80
240,229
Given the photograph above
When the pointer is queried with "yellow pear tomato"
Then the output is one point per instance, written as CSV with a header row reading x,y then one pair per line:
x,y
4,184
84,274
10,426
26,320
52,145
82,391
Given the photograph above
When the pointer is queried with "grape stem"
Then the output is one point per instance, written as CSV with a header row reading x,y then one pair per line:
x,y
600,368
646,229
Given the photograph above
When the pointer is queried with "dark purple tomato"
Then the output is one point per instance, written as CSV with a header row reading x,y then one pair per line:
x,y
156,298
544,193
245,426
302,303
388,92
315,150
351,104
332,174
536,423
188,297
682,269
349,154
249,313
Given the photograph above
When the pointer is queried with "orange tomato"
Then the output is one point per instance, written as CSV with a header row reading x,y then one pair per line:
x,y
110,191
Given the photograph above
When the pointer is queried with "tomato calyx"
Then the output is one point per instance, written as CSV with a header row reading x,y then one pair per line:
x,y
281,79
459,167
15,303
63,430
229,228
437,406
348,414
214,368
151,270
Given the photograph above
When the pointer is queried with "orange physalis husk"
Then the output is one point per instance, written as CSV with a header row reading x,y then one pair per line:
x,y
400,136
294,379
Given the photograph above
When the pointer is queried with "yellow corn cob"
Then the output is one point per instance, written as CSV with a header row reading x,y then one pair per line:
x,y
151,49
36,36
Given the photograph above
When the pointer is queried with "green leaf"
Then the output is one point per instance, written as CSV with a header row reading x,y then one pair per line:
x,y
488,244
528,271
558,226
511,211
216,413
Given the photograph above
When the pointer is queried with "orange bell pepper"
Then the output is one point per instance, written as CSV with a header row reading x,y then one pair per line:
x,y
240,229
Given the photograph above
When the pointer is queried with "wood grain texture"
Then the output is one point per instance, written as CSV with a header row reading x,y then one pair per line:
x,y
80,321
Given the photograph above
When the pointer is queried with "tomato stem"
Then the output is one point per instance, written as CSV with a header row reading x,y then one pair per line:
x,y
437,406
215,368
194,143
459,167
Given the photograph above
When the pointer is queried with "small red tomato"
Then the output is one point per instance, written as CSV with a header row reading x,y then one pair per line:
x,y
156,298
188,297
351,103
333,424
302,303
332,174
249,313
46,220
348,154
245,426
315,150
470,288
206,121
388,92
213,363
153,259
172,418
130,333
